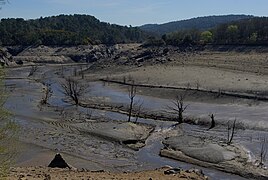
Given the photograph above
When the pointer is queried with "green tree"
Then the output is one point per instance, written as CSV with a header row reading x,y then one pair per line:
x,y
253,37
66,30
206,37
232,33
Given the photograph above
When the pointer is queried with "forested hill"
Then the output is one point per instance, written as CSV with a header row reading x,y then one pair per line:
x,y
253,31
65,30
199,23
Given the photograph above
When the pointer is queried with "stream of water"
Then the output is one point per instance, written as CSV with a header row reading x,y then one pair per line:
x,y
149,155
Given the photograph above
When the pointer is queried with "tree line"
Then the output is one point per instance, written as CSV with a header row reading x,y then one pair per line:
x,y
201,23
253,31
65,30
86,29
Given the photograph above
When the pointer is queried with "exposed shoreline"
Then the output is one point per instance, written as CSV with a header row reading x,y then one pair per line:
x,y
52,129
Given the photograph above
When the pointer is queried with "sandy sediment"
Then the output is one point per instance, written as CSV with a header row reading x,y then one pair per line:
x,y
199,151
209,71
36,173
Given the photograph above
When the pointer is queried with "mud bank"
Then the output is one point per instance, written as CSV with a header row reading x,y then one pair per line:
x,y
200,151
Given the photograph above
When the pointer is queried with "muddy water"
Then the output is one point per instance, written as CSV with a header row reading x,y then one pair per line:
x,y
249,117
252,116
24,103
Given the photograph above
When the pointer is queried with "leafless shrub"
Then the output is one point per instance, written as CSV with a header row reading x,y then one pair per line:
x,y
178,107
231,128
48,94
73,89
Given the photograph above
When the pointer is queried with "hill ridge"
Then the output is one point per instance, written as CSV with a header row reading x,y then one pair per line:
x,y
200,23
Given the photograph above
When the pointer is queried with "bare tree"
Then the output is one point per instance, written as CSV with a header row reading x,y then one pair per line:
x,y
132,90
231,132
48,94
73,89
263,152
212,121
178,107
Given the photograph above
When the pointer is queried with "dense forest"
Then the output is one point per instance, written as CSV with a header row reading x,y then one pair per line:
x,y
85,29
253,31
200,23
65,30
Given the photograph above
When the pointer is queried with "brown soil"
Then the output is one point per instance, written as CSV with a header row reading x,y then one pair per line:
x,y
36,173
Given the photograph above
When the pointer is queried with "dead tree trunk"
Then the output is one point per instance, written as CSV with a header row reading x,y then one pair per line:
x,y
212,122
178,107
73,89
131,94
231,132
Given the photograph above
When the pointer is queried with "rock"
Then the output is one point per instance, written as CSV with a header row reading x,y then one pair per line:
x,y
197,171
58,162
5,58
172,171
19,62
47,177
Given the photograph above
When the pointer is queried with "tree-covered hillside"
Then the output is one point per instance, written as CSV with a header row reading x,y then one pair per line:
x,y
199,23
253,31
65,30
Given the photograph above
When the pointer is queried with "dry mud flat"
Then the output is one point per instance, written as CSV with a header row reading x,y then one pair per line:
x,y
79,137
131,134
199,151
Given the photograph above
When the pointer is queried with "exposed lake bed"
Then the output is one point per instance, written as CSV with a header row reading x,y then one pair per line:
x,y
96,134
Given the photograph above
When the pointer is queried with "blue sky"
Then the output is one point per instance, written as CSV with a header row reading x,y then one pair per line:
x,y
133,12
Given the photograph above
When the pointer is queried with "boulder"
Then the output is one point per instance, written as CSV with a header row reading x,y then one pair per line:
x,y
58,162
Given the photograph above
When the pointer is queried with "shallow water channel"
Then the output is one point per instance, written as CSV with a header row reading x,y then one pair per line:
x,y
26,95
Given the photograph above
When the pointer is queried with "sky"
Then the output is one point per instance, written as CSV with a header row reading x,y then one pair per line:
x,y
133,12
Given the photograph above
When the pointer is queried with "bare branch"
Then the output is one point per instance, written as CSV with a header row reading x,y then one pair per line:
x,y
73,89
178,106
48,93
